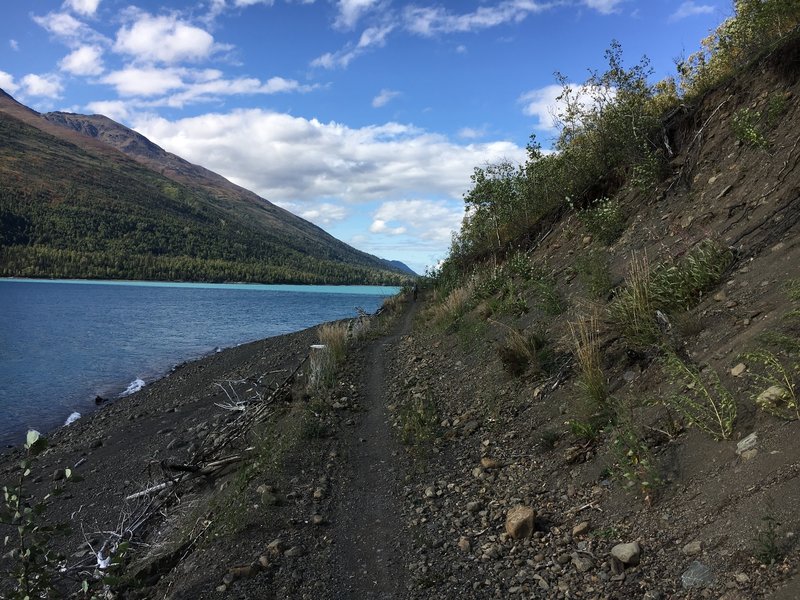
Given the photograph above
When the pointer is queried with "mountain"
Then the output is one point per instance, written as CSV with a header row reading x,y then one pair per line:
x,y
83,196
400,266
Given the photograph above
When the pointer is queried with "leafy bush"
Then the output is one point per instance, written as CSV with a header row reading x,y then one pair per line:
x,y
604,220
593,270
634,463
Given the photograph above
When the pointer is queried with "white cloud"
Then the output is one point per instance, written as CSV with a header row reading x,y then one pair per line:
x,y
350,11
690,9
470,133
86,60
83,7
384,97
14,44
144,81
323,213
164,39
432,20
543,103
372,36
245,3
430,220
7,83
289,159
47,86
113,109
68,29
176,87
605,7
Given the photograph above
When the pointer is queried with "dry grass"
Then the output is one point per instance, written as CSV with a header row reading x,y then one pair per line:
x,y
591,379
633,309
324,361
454,305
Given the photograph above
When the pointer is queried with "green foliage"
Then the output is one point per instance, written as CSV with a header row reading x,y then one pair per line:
x,y
669,287
752,126
777,393
418,420
593,270
755,27
634,463
767,546
604,219
29,539
703,401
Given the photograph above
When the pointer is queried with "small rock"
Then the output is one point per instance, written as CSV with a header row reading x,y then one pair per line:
x,y
490,463
473,507
581,528
294,551
519,522
319,493
747,443
749,454
720,297
275,547
742,578
222,588
317,520
59,474
731,304
693,548
463,544
587,239
773,396
696,576
582,563
470,427
242,572
263,560
430,492
738,370
628,554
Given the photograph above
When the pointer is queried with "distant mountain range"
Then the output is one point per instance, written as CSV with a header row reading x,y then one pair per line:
x,y
83,196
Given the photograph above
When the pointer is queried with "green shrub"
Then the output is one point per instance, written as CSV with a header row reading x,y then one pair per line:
x,y
777,393
605,220
521,352
634,463
593,270
704,402
418,420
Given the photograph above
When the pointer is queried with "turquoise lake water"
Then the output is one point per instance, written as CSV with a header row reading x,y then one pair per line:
x,y
64,342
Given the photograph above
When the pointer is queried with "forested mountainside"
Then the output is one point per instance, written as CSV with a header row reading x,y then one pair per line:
x,y
87,197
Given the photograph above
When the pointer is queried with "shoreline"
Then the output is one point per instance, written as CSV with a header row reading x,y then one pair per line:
x,y
112,403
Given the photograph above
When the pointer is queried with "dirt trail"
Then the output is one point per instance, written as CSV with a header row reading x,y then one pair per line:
x,y
368,523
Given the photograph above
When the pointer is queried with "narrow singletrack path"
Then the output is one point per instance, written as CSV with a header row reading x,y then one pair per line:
x,y
368,534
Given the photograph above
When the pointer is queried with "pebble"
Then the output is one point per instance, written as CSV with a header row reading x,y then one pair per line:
x,y
628,554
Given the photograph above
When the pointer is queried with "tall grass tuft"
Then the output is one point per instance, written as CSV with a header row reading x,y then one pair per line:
x,y
591,378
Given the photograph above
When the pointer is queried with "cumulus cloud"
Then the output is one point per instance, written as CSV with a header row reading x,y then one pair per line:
x,y
113,109
68,29
430,220
290,159
543,103
83,7
86,60
164,39
690,9
7,83
372,36
471,133
177,86
384,97
144,81
350,11
46,86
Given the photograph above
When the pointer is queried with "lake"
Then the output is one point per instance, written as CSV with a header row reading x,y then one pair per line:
x,y
62,343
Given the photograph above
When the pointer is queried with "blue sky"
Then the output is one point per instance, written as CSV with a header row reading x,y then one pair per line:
x,y
363,116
